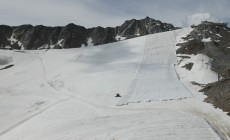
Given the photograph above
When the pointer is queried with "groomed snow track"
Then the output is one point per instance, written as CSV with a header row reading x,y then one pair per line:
x,y
156,78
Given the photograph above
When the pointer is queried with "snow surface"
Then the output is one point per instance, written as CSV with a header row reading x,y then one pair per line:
x,y
201,71
70,94
206,39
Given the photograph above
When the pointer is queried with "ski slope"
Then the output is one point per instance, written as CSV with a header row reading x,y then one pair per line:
x,y
70,94
156,79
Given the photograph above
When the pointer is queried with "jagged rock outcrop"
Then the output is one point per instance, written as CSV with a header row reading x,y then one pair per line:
x,y
73,36
213,40
143,27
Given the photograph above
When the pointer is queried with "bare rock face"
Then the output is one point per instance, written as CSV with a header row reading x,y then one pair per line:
x,y
213,40
192,47
100,35
143,27
5,32
219,94
73,36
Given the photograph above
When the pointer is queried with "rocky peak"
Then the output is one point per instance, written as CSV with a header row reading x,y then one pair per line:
x,y
217,32
143,27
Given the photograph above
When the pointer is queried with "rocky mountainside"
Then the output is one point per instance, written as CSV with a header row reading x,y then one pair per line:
x,y
73,36
213,40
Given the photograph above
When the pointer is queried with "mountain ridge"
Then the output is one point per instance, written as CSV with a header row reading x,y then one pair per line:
x,y
31,37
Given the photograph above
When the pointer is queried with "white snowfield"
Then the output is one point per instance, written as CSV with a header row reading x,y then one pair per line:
x,y
70,94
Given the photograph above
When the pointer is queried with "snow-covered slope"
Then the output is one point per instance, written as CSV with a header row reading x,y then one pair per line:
x,y
156,78
70,94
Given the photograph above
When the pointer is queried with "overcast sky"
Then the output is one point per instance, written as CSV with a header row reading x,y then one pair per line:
x,y
91,13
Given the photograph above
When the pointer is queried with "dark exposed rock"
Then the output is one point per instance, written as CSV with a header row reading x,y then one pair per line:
x,y
188,66
100,35
5,32
73,36
191,47
143,27
218,94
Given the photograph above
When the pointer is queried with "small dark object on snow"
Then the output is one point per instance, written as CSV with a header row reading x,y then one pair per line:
x,y
118,95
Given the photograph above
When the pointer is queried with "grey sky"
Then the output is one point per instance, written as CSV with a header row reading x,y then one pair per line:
x,y
92,13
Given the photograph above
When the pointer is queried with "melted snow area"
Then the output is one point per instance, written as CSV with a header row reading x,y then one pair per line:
x,y
70,94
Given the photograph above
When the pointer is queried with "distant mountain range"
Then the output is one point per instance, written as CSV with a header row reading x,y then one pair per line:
x,y
30,37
